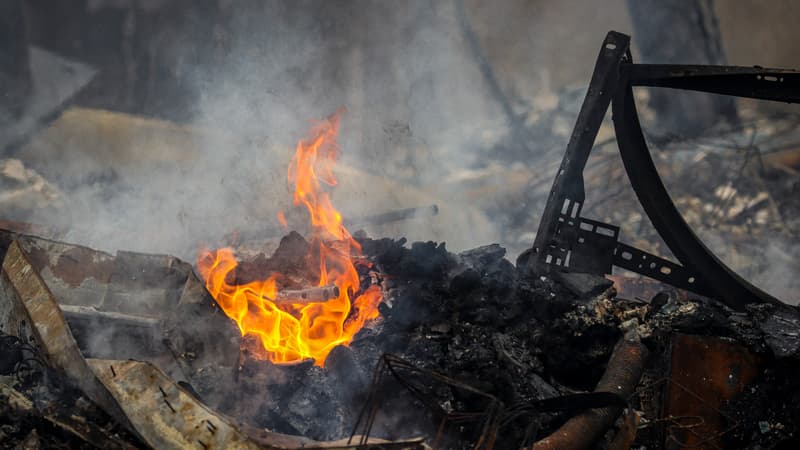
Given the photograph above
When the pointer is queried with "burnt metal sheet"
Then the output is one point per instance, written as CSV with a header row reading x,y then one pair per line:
x,y
76,275
163,413
78,279
145,284
203,340
130,283
30,312
139,306
138,395
102,334
169,417
705,372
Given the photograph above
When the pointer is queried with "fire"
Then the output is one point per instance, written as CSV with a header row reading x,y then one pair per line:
x,y
292,331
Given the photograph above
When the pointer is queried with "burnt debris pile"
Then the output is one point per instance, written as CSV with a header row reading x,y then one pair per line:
x,y
471,348
468,350
344,341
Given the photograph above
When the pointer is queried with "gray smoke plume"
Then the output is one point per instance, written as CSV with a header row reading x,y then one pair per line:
x,y
447,103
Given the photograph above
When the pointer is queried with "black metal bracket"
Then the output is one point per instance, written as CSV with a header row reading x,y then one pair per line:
x,y
566,241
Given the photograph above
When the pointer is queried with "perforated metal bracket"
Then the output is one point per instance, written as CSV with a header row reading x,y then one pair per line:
x,y
562,243
658,268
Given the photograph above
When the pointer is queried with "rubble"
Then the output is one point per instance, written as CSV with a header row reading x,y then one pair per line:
x,y
476,317
187,342
473,316
469,351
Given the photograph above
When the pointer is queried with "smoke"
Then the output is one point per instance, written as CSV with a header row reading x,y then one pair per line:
x,y
399,71
424,124
417,111
450,103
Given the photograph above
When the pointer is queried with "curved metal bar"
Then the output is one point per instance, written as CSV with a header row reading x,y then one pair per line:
x,y
724,283
780,85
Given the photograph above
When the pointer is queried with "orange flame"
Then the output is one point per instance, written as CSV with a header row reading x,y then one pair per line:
x,y
291,332
282,220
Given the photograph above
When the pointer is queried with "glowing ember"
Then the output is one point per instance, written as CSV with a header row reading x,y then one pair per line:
x,y
287,331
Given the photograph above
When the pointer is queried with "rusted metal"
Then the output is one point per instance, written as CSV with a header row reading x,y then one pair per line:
x,y
29,311
621,377
706,371
136,394
129,283
76,275
624,438
140,306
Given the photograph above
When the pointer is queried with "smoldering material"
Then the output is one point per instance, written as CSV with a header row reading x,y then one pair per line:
x,y
308,295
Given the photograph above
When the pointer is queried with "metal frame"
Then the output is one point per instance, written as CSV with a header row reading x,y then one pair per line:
x,y
568,242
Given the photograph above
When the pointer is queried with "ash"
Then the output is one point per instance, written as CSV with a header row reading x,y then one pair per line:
x,y
472,316
476,318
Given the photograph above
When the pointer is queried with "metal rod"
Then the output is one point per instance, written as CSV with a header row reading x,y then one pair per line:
x,y
621,377
309,295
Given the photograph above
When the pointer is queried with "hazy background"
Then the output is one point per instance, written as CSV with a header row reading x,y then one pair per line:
x,y
183,135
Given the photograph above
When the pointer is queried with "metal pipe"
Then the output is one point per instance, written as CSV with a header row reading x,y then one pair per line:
x,y
309,295
621,377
